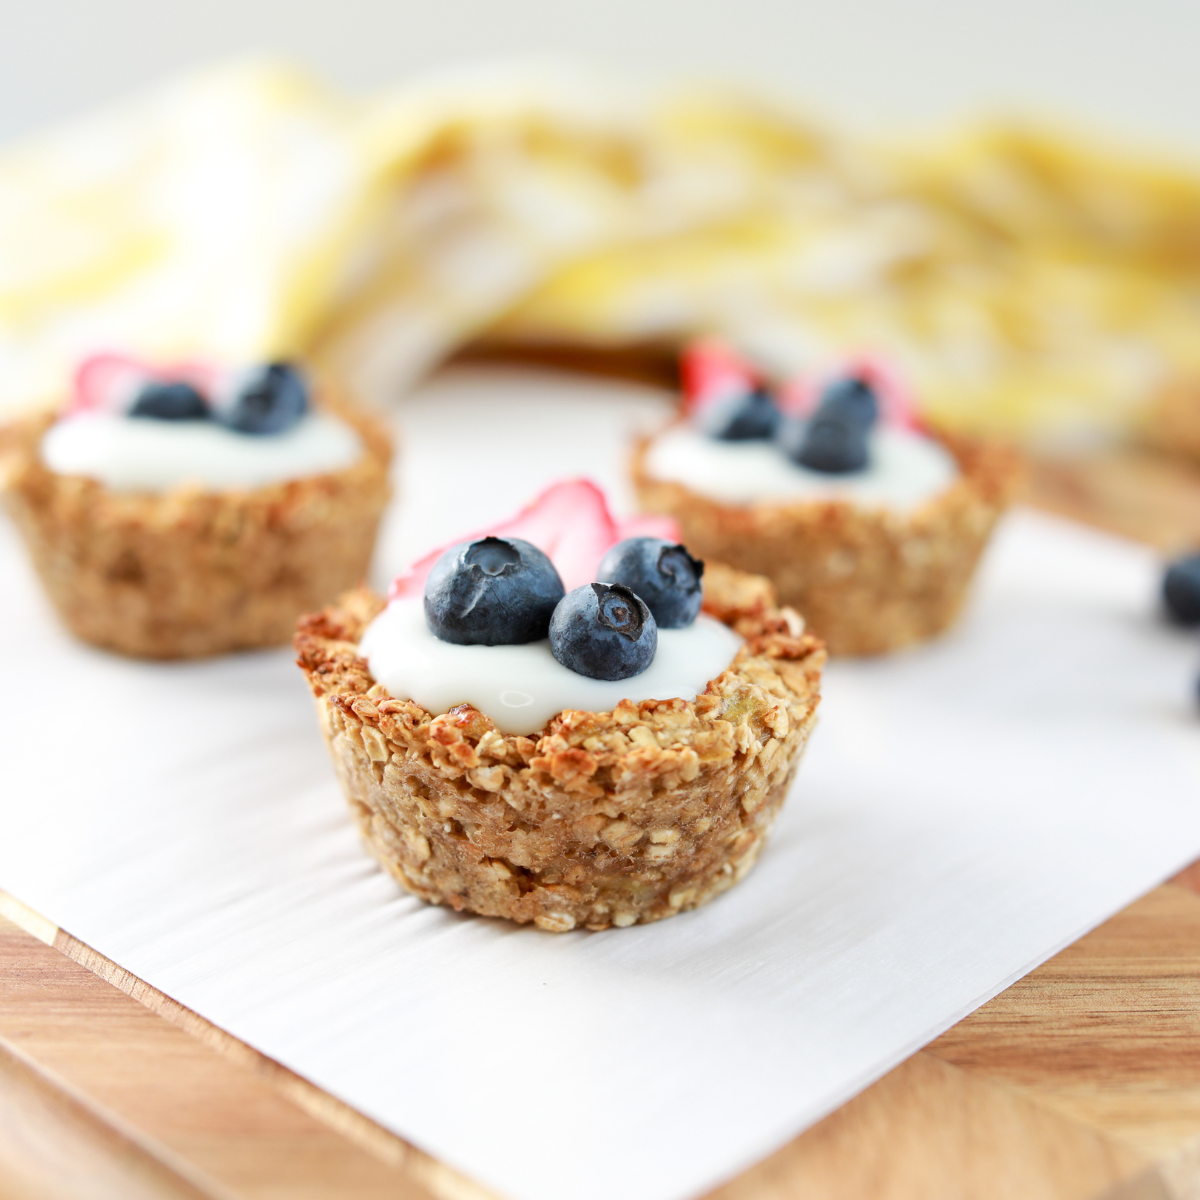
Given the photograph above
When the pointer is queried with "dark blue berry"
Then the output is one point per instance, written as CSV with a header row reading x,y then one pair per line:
x,y
852,398
662,573
832,446
494,592
170,402
746,417
603,631
1181,590
271,400
834,439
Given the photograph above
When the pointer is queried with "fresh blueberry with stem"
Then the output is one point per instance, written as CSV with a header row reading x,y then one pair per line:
x,y
603,631
177,401
834,439
1181,590
270,400
493,592
662,573
747,416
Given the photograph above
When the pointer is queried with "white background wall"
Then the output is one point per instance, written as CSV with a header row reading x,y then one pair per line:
x,y
1127,66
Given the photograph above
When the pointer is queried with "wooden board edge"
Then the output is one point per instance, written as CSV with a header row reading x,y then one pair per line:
x,y
53,1138
386,1146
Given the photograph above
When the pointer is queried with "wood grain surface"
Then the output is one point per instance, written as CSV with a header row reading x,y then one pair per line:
x,y
1080,1082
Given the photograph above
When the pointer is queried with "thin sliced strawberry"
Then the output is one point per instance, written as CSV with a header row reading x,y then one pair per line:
x,y
570,521
897,404
205,375
412,582
648,525
109,382
711,371
798,397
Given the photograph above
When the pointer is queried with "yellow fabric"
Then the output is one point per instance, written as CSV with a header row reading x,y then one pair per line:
x,y
1024,282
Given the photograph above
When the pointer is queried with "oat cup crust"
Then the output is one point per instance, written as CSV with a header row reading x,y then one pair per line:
x,y
866,581
189,572
597,820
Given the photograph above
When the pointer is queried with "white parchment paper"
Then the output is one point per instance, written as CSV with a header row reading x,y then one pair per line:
x,y
965,810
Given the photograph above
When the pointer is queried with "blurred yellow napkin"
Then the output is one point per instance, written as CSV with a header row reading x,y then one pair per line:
x,y
1025,284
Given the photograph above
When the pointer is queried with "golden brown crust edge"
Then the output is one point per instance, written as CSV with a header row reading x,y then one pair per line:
x,y
189,573
866,581
598,820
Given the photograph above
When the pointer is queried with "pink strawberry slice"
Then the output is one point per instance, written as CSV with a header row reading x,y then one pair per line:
x,y
798,396
570,521
109,382
647,525
897,404
711,371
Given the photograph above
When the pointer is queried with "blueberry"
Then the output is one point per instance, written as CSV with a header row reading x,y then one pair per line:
x,y
832,445
170,402
603,631
662,573
852,398
834,440
1181,590
494,592
271,400
746,417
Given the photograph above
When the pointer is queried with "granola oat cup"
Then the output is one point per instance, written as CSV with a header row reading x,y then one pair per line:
x,y
594,818
868,580
867,521
180,569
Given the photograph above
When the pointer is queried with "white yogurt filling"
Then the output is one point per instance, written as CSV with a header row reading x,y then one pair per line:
x,y
905,469
522,687
141,454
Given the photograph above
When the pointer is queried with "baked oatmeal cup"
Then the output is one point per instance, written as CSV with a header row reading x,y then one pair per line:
x,y
594,818
160,567
877,555
868,580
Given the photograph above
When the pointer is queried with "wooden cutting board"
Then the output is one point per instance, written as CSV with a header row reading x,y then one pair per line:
x,y
1080,1082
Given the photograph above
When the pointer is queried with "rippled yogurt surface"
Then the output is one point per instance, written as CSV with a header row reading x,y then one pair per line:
x,y
522,687
906,469
140,454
